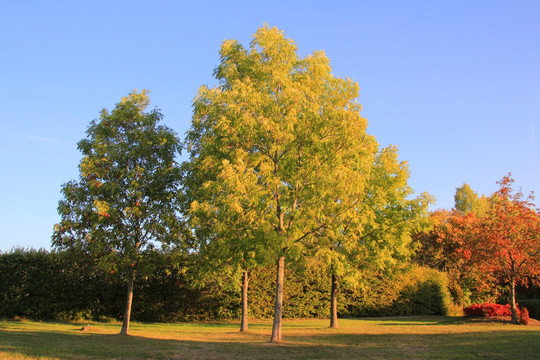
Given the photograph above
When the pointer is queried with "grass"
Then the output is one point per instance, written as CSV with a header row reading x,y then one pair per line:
x,y
385,338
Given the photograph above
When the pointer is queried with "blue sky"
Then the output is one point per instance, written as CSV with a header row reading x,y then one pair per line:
x,y
454,84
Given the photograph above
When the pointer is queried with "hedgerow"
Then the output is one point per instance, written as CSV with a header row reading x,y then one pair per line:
x,y
42,285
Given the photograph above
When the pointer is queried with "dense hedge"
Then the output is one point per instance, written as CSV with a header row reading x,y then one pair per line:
x,y
49,286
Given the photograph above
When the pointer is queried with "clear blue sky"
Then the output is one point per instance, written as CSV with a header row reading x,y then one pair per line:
x,y
454,84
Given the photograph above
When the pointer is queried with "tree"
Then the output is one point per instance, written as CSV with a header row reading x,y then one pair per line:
x,y
467,200
224,222
226,238
446,247
126,199
508,239
281,141
501,245
378,237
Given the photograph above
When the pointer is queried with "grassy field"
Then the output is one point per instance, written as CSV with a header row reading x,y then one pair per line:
x,y
386,338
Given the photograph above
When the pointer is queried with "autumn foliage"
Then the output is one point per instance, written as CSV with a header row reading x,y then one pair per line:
x,y
524,316
506,243
488,310
486,253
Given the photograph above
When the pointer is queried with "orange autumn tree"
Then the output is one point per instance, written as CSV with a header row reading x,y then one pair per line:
x,y
449,247
507,241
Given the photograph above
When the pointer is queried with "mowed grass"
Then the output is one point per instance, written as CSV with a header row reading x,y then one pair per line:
x,y
385,338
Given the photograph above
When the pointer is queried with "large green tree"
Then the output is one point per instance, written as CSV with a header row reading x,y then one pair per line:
x,y
126,201
281,147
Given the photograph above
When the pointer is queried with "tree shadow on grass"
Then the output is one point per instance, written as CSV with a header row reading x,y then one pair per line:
x,y
501,344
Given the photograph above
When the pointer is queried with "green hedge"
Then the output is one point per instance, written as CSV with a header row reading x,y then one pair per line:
x,y
45,285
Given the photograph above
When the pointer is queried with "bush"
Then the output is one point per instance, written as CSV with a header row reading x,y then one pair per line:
x,y
419,291
488,310
524,316
533,306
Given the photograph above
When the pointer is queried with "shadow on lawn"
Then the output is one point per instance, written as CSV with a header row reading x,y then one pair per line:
x,y
501,344
420,320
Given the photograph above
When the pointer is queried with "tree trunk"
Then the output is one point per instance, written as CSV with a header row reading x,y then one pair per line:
x,y
245,284
278,310
129,299
333,302
513,306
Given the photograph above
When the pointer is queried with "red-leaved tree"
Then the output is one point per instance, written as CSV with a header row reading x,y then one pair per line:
x,y
447,247
507,241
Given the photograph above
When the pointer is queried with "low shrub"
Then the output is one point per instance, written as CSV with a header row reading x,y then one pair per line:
x,y
533,306
524,316
488,310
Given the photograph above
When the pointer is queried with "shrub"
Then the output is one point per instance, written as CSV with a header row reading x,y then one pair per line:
x,y
524,316
488,310
533,307
418,291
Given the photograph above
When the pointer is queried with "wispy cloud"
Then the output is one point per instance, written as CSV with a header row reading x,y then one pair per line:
x,y
43,139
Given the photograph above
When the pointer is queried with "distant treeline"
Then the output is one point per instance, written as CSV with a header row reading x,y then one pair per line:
x,y
42,285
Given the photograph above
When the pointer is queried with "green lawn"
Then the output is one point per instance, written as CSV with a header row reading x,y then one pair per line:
x,y
386,338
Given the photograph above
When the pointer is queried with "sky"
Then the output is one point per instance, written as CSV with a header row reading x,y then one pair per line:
x,y
455,85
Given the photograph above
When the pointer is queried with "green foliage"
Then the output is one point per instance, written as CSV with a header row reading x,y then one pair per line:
x,y
417,291
45,285
281,163
48,286
467,200
21,297
125,200
306,296
278,150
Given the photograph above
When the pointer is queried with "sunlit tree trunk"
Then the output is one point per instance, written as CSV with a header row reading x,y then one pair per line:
x,y
129,299
278,311
513,295
333,302
245,285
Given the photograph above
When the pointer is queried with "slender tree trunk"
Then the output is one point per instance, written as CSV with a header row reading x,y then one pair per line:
x,y
513,306
245,285
129,299
333,302
278,310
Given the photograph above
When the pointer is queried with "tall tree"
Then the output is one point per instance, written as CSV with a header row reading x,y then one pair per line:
x,y
377,236
281,141
508,239
126,199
